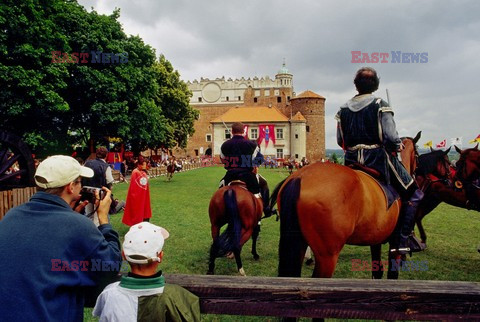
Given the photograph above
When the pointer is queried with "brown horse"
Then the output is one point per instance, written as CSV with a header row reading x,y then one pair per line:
x,y
170,171
433,175
236,206
326,206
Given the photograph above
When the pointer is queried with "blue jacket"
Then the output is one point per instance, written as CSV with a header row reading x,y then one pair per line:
x,y
46,253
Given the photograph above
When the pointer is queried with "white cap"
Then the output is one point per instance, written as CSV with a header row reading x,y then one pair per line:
x,y
143,242
59,170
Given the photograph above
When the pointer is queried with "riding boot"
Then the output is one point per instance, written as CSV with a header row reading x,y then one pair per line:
x,y
406,241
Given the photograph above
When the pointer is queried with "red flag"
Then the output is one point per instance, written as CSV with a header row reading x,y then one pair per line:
x,y
271,129
245,131
442,144
261,134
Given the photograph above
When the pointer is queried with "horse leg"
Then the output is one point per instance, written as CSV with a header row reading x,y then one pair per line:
x,y
325,264
213,250
376,252
211,261
256,232
394,261
238,260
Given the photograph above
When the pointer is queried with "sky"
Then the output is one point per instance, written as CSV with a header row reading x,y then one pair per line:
x,y
248,38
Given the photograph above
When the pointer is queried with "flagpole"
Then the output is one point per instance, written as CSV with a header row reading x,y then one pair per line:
x,y
388,98
226,127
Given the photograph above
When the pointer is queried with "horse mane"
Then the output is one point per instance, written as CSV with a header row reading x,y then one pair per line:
x,y
427,162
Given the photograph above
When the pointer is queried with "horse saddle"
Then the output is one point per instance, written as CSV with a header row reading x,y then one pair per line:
x,y
390,193
239,183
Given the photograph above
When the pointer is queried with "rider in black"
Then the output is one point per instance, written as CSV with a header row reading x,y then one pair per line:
x,y
366,131
240,156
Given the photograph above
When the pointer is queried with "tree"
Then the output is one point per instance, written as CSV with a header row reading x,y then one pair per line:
x,y
53,101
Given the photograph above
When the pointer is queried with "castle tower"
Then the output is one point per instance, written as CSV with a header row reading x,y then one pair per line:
x,y
312,107
298,137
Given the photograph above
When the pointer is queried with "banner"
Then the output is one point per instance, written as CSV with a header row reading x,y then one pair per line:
x,y
429,144
261,134
271,129
266,132
456,141
245,131
442,144
477,139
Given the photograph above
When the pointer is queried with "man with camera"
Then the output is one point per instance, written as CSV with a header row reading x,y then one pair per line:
x,y
48,249
102,177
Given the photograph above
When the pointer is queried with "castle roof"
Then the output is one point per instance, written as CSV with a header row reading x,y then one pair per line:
x,y
308,94
248,114
299,117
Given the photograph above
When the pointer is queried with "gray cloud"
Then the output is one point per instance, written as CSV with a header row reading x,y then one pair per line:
x,y
251,38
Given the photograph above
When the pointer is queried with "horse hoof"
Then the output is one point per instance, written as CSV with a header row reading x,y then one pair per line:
x,y
210,273
256,257
242,272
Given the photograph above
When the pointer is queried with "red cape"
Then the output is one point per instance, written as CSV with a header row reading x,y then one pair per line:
x,y
137,207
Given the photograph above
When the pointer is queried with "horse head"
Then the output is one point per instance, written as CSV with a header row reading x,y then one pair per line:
x,y
468,165
409,154
435,162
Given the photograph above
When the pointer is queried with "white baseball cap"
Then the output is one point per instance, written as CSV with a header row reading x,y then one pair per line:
x,y
143,242
59,170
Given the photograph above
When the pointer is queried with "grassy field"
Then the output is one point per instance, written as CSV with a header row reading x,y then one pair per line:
x,y
181,206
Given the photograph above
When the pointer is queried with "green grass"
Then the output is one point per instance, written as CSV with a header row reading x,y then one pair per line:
x,y
181,206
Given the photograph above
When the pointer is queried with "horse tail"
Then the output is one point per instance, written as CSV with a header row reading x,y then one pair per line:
x,y
229,240
273,198
292,243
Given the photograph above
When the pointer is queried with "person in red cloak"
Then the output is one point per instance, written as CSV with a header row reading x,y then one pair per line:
x,y
137,208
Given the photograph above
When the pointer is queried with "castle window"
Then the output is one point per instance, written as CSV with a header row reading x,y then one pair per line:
x,y
308,128
288,98
253,133
239,98
296,156
296,136
227,98
255,99
227,135
279,99
199,99
208,138
279,153
279,134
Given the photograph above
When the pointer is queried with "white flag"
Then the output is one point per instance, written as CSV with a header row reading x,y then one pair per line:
x,y
456,141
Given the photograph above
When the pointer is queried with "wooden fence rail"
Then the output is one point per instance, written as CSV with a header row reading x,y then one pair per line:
x,y
14,197
334,298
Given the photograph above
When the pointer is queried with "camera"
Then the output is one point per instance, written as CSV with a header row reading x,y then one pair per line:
x,y
88,193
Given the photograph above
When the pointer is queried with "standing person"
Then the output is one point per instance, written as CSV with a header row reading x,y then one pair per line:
x,y
102,177
137,208
366,131
120,301
240,156
47,249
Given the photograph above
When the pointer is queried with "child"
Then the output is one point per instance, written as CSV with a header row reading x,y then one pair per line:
x,y
121,301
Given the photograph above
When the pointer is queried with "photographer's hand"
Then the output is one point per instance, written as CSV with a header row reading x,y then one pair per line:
x,y
103,205
80,206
